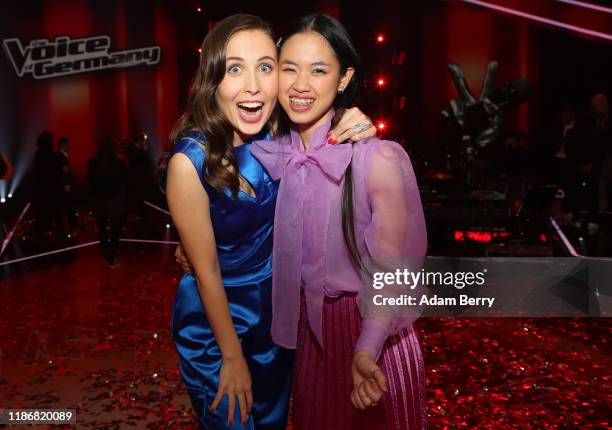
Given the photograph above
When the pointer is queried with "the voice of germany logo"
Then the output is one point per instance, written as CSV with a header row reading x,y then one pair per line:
x,y
44,58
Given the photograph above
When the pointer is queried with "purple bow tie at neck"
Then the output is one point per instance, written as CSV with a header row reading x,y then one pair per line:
x,y
332,160
277,155
286,159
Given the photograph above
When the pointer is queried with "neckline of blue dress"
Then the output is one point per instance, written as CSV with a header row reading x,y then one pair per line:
x,y
262,135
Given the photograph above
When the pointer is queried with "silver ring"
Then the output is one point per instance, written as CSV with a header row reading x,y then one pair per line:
x,y
362,126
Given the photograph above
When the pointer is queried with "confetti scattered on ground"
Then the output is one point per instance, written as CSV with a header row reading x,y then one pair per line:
x,y
76,334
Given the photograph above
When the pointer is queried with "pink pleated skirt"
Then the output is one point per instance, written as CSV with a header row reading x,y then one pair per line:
x,y
322,380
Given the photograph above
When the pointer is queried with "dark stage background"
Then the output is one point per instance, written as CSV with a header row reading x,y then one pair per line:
x,y
79,332
421,38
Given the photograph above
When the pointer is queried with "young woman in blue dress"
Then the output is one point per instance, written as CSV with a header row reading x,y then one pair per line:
x,y
235,375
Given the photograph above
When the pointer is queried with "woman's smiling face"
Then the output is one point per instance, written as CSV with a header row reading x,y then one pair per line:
x,y
247,94
309,78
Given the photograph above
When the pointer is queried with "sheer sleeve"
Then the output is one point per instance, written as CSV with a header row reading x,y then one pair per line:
x,y
396,232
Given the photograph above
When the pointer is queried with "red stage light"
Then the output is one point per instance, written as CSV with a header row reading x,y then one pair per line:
x,y
381,125
479,236
380,38
200,50
380,82
199,9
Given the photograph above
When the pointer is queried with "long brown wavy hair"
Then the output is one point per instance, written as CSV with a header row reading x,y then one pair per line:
x,y
202,113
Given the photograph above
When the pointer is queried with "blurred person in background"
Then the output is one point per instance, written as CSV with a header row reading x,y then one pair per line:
x,y
66,201
140,180
600,135
46,187
571,158
107,177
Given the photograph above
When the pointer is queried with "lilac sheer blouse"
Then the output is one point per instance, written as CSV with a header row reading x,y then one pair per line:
x,y
309,248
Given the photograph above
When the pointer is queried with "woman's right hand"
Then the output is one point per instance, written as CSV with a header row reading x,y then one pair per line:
x,y
235,382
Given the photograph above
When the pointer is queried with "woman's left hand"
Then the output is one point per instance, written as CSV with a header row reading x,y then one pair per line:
x,y
181,258
354,125
369,381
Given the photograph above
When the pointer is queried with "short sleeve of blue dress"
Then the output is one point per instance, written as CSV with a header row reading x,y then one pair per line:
x,y
243,234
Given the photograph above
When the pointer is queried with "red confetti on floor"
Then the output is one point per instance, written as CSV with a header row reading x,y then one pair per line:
x,y
77,334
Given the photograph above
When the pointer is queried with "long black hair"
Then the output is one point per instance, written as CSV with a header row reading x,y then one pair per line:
x,y
342,46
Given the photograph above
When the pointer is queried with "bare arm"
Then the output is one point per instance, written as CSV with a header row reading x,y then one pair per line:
x,y
189,206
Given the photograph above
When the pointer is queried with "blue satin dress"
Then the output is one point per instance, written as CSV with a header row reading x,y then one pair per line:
x,y
243,233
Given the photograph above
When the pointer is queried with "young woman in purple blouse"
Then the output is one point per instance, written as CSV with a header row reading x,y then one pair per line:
x,y
337,204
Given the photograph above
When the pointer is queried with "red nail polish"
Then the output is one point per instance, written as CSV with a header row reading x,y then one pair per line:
x,y
332,141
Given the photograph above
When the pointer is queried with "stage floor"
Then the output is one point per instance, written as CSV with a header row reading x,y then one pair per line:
x,y
77,334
